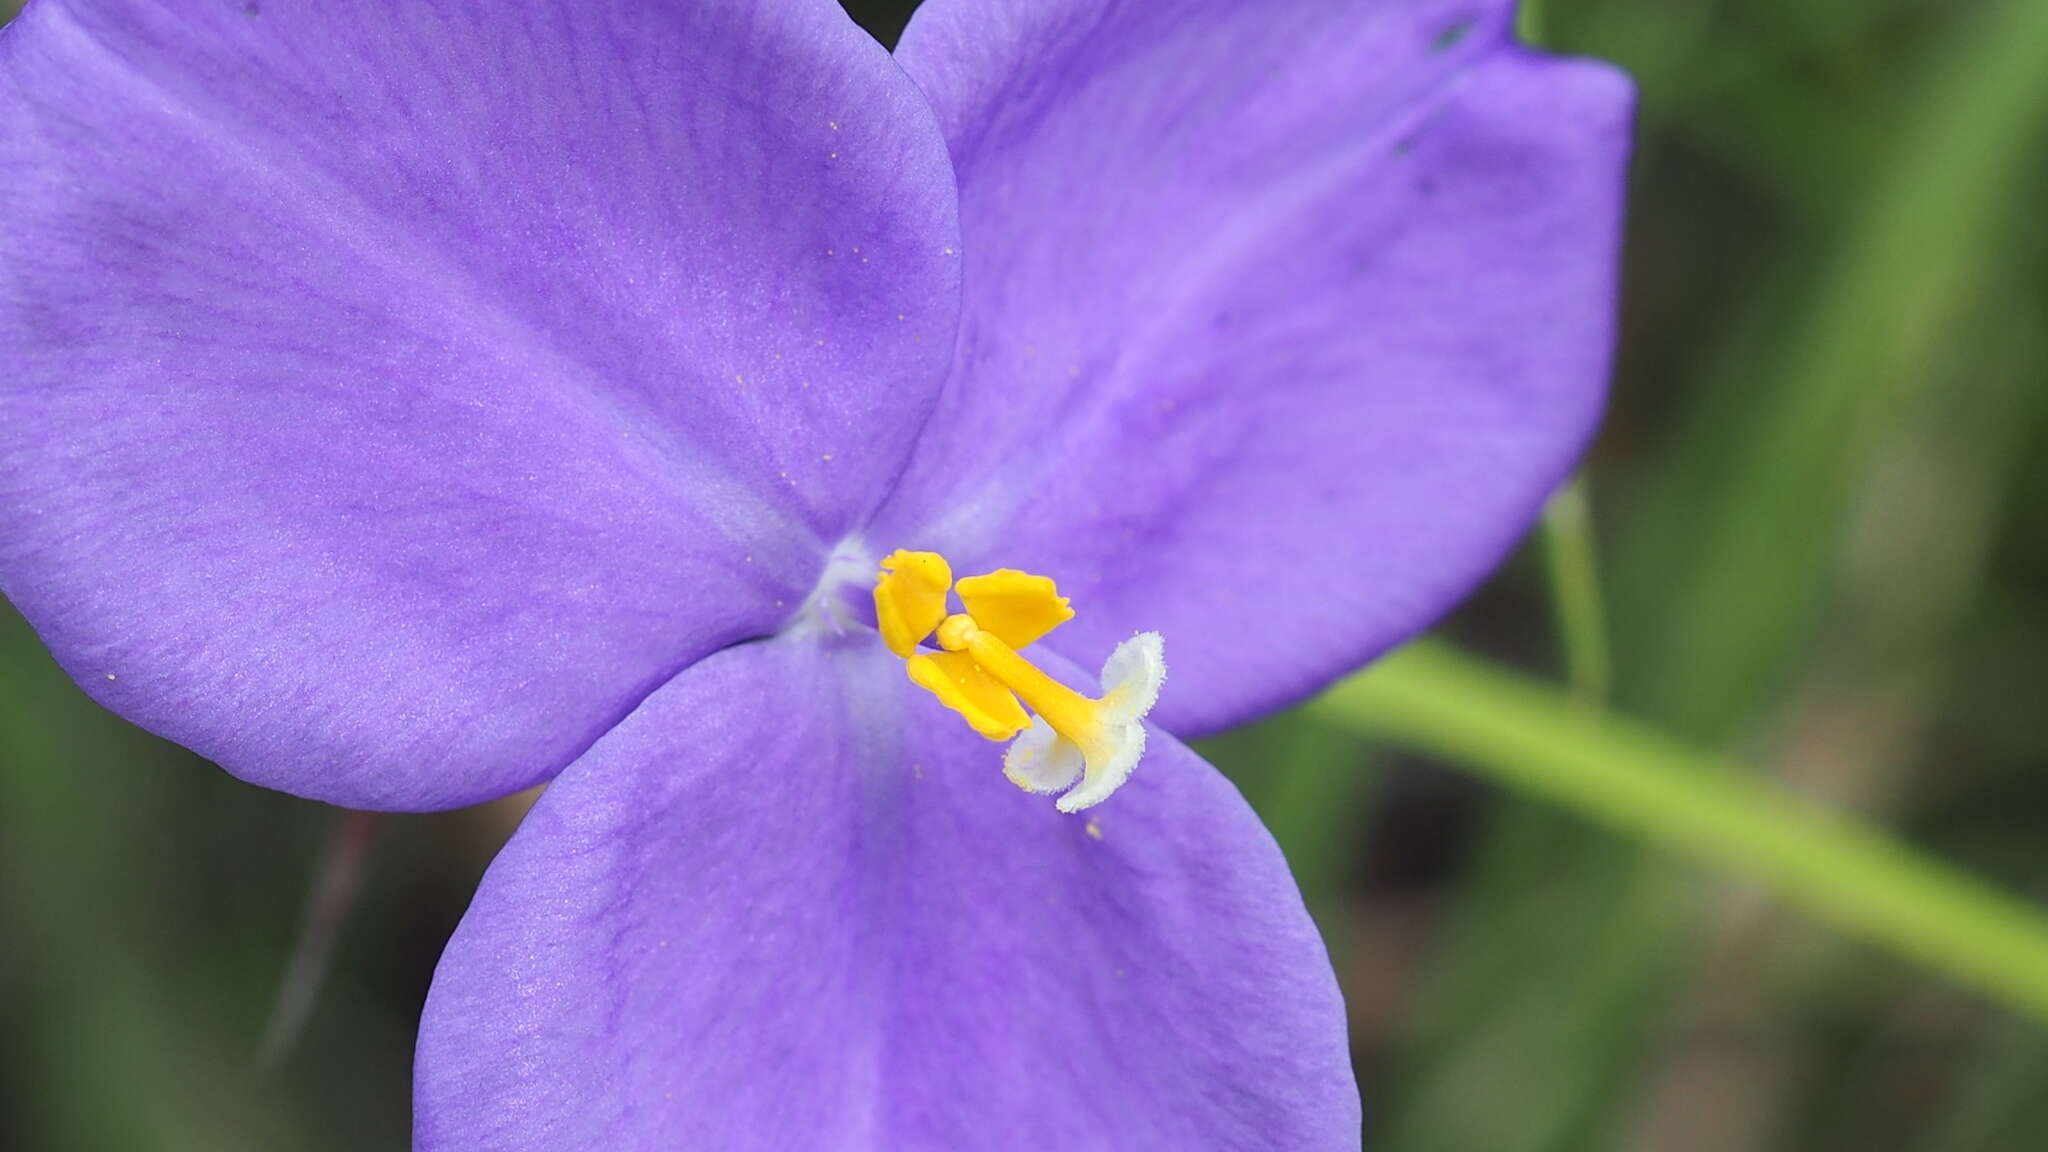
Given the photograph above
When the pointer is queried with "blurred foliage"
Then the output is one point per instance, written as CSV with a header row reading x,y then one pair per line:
x,y
1813,518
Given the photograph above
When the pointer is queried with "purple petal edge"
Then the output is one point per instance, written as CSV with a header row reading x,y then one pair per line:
x,y
791,903
396,395
1282,319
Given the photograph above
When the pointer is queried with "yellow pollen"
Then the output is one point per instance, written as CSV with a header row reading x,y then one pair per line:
x,y
978,672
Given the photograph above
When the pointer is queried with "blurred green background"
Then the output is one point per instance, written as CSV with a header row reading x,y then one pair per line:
x,y
1815,515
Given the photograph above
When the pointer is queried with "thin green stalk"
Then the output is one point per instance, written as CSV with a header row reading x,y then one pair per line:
x,y
1570,562
1643,784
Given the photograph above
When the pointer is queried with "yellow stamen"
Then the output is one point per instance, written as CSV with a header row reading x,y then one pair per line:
x,y
1067,712
979,673
910,598
1016,606
962,685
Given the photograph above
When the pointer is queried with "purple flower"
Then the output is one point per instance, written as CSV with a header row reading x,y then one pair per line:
x,y
406,404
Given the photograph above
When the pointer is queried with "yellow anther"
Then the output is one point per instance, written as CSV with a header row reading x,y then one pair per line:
x,y
910,598
1016,606
979,674
960,684
1068,712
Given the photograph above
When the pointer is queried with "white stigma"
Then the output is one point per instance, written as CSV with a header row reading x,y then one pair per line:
x,y
1041,760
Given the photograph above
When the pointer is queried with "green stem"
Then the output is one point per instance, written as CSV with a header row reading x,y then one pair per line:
x,y
1569,559
1643,784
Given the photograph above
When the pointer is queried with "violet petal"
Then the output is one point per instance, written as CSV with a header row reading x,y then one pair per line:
x,y
1282,318
394,394
790,903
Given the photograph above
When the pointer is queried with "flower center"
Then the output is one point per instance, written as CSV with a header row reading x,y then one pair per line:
x,y
978,672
